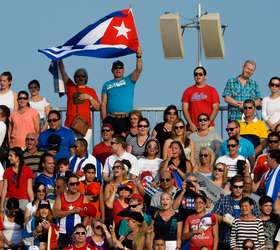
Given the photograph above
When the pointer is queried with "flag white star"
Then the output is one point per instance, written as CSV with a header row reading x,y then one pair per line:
x,y
122,30
70,207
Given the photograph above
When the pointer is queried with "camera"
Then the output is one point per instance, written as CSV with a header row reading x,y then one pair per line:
x,y
240,165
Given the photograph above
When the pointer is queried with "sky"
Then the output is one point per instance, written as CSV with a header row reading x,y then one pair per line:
x,y
26,26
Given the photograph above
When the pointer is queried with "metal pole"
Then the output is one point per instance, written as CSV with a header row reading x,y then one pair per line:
x,y
198,35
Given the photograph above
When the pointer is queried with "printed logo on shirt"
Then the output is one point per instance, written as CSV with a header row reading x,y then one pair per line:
x,y
198,96
116,84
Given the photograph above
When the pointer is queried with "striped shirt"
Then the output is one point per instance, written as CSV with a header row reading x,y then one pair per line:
x,y
242,230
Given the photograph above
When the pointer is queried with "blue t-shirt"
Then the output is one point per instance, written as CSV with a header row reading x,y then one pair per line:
x,y
67,141
120,94
236,208
246,148
49,182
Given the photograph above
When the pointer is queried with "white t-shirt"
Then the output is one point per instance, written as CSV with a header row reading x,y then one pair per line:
x,y
2,170
149,165
3,129
40,106
271,109
127,156
231,163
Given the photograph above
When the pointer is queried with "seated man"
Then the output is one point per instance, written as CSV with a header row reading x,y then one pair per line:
x,y
251,127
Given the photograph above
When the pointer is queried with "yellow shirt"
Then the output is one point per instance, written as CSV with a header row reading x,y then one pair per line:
x,y
255,127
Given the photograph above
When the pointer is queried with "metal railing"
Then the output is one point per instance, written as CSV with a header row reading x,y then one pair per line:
x,y
155,115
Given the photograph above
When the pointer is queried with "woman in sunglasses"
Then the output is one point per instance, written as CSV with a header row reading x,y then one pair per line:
x,y
205,136
39,102
179,133
79,239
206,160
220,177
271,104
24,120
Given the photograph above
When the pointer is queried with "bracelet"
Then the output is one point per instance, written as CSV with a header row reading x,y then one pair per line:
x,y
138,57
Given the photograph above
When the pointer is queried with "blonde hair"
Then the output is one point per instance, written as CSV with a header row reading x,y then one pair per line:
x,y
210,153
225,173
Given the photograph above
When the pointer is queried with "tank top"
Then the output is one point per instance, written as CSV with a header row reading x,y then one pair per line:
x,y
8,99
67,223
12,231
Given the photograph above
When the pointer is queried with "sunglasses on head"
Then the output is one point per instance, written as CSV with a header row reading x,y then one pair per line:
x,y
198,74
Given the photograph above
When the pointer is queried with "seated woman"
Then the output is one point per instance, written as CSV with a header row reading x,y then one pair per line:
x,y
134,117
179,133
177,161
201,229
168,223
11,224
136,145
205,136
100,238
219,177
206,160
79,239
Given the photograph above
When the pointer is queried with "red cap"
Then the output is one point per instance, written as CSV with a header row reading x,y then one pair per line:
x,y
108,125
136,196
88,210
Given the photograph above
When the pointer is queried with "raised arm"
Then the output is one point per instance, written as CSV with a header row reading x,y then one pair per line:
x,y
65,77
136,73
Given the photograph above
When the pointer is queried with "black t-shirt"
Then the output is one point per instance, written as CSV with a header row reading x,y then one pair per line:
x,y
166,230
162,134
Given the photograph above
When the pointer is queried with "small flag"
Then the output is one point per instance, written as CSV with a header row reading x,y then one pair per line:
x,y
58,83
112,36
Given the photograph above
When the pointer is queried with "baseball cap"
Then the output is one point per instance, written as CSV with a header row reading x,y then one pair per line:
x,y
44,204
117,65
107,125
136,196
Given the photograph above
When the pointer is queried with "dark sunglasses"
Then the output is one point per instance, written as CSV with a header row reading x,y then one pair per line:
x,y
203,155
237,187
165,179
273,141
134,206
203,119
231,145
179,127
98,227
143,126
80,233
105,130
198,74
53,120
219,169
30,139
274,85
74,183
117,167
230,129
248,107
23,98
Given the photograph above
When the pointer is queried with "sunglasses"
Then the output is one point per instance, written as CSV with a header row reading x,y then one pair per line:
x,y
152,147
53,120
274,85
165,179
172,113
248,107
203,155
98,227
219,169
231,145
143,126
273,141
179,127
203,119
198,74
134,206
230,129
74,183
23,98
237,187
117,167
41,191
105,130
30,139
80,233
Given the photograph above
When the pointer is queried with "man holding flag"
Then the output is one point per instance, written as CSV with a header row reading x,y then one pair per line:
x,y
118,95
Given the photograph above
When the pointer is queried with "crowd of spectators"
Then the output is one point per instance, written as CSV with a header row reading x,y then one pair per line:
x,y
175,186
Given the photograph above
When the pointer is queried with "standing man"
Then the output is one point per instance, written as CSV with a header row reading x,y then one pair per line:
x,y
80,98
66,135
200,98
240,88
118,95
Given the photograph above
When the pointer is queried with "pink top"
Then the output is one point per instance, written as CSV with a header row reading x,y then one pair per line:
x,y
21,125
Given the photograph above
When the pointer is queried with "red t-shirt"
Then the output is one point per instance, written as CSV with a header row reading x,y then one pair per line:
x,y
85,247
14,190
102,151
83,107
206,223
200,100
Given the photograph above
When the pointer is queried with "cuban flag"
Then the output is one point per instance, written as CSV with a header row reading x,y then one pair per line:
x,y
112,36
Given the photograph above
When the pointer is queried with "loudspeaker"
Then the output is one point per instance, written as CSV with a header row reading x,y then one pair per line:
x,y
211,36
171,37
